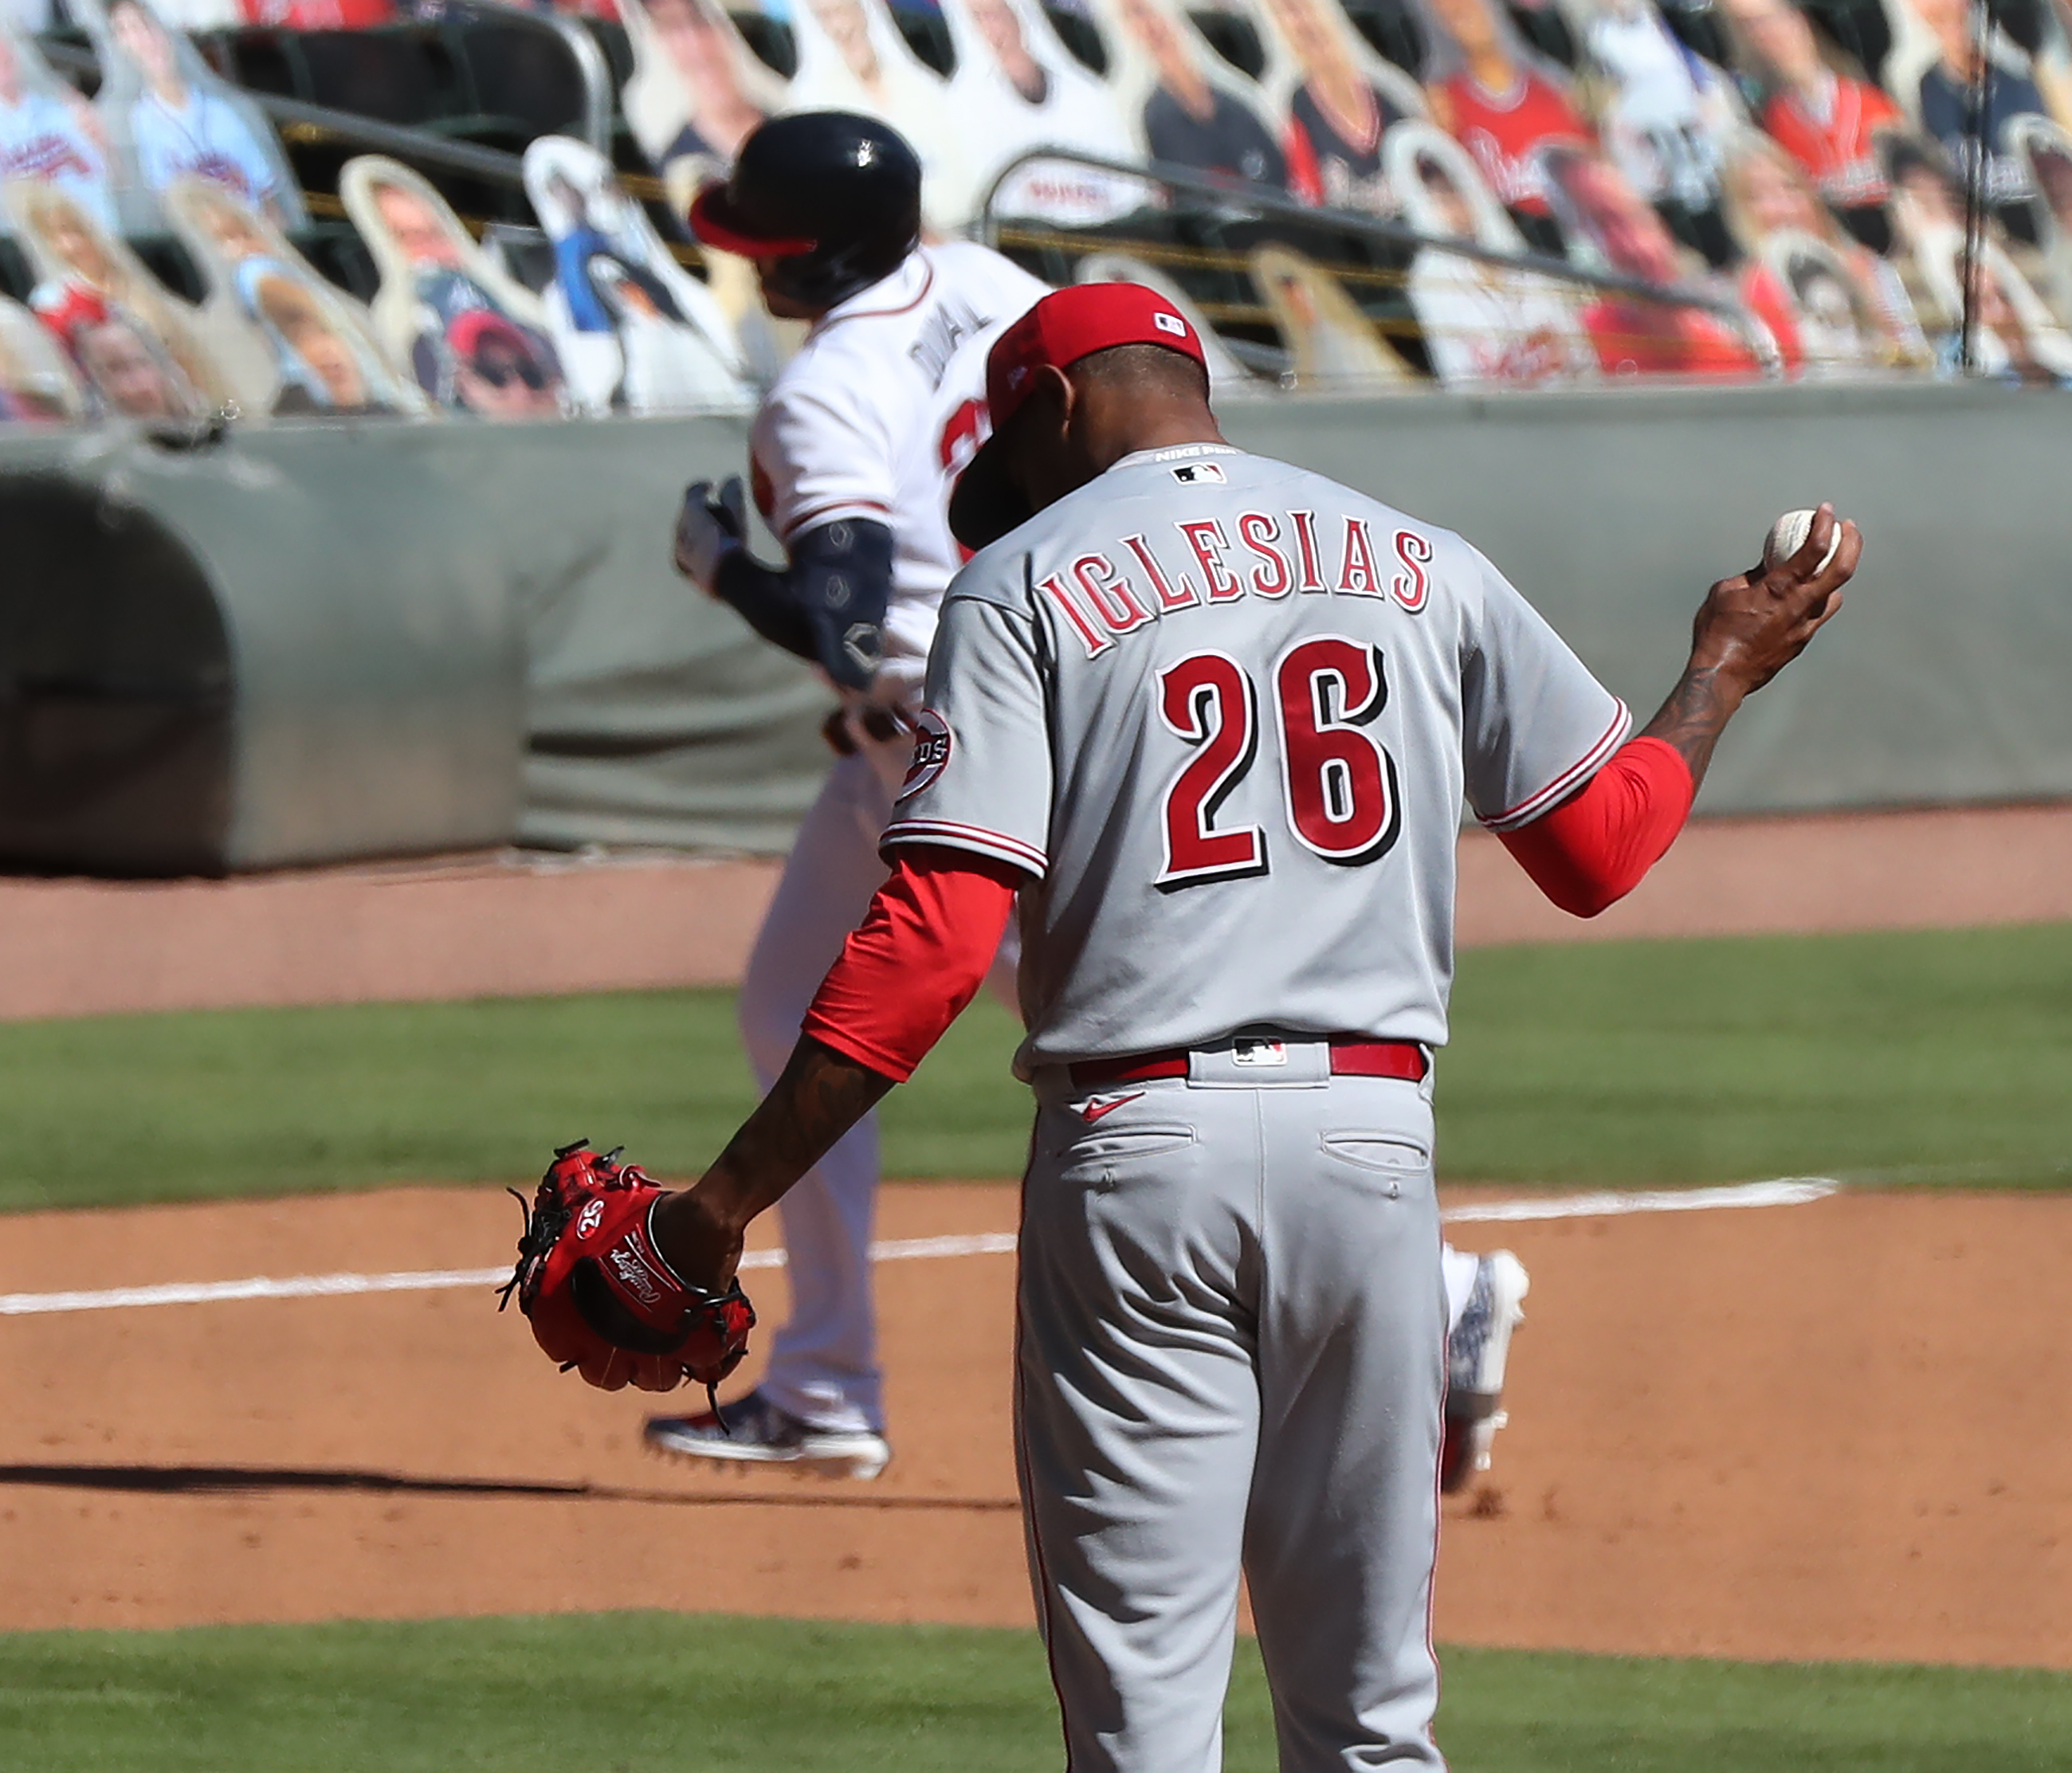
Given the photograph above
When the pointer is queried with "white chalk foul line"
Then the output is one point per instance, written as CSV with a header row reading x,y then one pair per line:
x,y
1785,1191
1790,1191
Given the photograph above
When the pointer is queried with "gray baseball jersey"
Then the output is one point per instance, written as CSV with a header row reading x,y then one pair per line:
x,y
1225,710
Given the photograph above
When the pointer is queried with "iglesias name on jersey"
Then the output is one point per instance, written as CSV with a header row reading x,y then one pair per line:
x,y
876,417
1224,712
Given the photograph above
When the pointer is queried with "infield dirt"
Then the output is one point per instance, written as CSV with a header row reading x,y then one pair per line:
x,y
1799,1431
1820,1431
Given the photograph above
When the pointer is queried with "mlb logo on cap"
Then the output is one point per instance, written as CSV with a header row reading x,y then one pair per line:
x,y
1169,323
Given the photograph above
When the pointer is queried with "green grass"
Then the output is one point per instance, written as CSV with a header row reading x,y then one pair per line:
x,y
1937,1057
642,1691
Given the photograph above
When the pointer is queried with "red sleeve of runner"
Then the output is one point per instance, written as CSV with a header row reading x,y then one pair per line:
x,y
1596,847
919,955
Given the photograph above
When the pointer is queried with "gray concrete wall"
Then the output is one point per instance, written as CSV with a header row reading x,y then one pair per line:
x,y
449,634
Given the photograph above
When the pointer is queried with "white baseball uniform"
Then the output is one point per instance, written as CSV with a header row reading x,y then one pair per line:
x,y
1223,713
873,418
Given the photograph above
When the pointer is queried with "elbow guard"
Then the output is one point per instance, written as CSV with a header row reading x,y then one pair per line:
x,y
828,606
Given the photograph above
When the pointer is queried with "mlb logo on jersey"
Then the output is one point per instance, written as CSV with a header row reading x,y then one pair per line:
x,y
1197,473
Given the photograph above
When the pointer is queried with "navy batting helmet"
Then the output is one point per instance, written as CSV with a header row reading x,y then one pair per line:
x,y
834,197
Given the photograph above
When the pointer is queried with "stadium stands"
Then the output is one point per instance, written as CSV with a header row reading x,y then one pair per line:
x,y
1491,192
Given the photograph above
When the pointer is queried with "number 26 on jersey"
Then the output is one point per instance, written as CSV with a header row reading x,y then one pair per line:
x,y
1338,782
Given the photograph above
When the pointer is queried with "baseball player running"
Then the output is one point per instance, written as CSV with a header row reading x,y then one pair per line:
x,y
853,455
1207,718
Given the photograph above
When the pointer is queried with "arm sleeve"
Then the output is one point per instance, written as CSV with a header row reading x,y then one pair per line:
x,y
980,780
1596,847
919,957
828,606
1534,724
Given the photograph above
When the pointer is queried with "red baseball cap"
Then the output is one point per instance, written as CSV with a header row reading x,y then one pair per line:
x,y
1064,326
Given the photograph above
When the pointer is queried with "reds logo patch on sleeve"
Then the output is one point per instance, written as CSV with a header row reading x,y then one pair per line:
x,y
931,751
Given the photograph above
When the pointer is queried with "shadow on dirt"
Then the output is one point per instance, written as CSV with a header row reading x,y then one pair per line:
x,y
221,1480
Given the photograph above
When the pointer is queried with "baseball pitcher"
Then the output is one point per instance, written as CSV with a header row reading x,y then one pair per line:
x,y
1207,719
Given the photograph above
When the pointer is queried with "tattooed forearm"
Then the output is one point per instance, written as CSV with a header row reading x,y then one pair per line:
x,y
1691,720
821,1096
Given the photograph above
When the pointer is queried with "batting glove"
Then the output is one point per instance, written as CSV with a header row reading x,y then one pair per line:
x,y
710,527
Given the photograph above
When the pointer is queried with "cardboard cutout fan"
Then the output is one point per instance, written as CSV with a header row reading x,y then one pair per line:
x,y
1188,106
697,89
1503,101
38,384
474,337
170,117
138,346
1664,113
1017,90
1335,347
48,133
1484,325
1767,194
636,332
1338,99
321,356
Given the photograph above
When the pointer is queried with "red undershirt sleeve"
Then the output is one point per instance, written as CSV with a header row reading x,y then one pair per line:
x,y
1597,846
919,955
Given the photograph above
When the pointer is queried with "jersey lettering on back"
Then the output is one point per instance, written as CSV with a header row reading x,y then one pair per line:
x,y
1235,714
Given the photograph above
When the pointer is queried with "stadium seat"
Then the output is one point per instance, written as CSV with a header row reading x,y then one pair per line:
x,y
616,47
1234,38
1392,29
404,77
771,40
16,278
1698,28
1545,29
260,60
1859,28
520,70
927,34
1080,36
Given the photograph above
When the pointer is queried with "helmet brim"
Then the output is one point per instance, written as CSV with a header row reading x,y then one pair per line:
x,y
717,224
984,504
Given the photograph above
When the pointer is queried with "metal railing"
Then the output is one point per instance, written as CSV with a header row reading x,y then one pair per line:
x,y
1268,204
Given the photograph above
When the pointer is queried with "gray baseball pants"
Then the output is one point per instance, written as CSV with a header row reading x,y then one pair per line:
x,y
1231,1355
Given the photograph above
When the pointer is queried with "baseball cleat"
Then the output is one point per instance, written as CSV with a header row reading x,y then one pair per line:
x,y
758,1432
1476,1353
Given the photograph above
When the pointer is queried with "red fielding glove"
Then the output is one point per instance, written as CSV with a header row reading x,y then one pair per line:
x,y
597,1293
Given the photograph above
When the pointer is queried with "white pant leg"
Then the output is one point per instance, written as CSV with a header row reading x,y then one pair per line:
x,y
1135,1417
824,1361
1343,1532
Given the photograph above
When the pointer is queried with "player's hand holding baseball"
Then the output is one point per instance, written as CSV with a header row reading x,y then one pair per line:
x,y
1749,627
712,524
602,1298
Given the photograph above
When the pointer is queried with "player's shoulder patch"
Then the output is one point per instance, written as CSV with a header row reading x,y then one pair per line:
x,y
931,752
